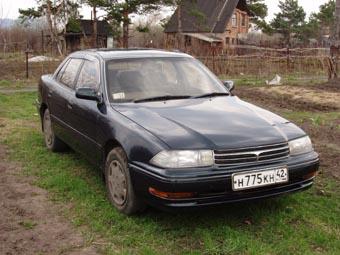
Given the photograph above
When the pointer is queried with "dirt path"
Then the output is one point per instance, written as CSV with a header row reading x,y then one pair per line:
x,y
29,221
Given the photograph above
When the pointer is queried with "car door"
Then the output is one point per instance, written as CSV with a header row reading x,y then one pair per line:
x,y
65,82
82,115
56,100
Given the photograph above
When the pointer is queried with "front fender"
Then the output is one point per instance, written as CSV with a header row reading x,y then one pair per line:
x,y
138,143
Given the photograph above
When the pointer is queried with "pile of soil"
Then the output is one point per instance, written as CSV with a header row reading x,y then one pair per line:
x,y
332,84
291,97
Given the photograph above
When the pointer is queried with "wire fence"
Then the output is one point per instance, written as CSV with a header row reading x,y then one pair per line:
x,y
235,61
264,62
14,68
266,65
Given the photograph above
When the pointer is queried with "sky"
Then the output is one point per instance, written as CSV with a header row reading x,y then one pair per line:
x,y
9,8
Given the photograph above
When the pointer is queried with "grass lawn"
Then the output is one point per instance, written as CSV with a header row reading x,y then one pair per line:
x,y
303,223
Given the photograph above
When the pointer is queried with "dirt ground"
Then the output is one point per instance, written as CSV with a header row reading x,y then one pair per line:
x,y
327,143
29,222
319,99
292,98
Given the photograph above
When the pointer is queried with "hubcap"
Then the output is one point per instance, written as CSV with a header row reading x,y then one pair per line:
x,y
117,182
48,130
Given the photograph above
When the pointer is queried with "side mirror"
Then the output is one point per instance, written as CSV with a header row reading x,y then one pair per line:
x,y
229,85
89,94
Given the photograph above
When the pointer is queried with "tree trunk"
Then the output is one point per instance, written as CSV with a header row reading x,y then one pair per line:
x,y
95,28
179,23
49,21
53,29
335,43
126,22
336,34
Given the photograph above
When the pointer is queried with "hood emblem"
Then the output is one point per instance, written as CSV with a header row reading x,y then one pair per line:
x,y
257,154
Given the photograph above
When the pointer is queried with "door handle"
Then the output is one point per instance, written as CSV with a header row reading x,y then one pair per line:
x,y
69,106
49,94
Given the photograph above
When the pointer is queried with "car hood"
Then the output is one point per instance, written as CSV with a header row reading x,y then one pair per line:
x,y
217,123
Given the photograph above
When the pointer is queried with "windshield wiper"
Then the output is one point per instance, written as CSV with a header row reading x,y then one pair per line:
x,y
160,98
214,94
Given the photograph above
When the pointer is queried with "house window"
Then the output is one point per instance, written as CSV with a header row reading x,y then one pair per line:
x,y
227,40
234,20
243,20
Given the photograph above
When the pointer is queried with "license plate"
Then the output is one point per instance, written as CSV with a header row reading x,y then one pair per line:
x,y
250,180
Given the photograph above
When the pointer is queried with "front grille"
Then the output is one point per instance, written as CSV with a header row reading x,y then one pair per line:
x,y
251,155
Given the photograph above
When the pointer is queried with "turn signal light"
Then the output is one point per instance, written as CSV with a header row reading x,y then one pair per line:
x,y
171,195
309,176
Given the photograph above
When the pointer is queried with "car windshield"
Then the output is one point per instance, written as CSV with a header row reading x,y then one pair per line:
x,y
159,78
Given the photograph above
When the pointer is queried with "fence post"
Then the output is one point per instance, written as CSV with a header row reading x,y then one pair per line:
x,y
26,53
42,42
288,58
213,58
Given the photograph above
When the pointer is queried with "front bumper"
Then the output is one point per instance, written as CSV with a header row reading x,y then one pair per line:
x,y
215,187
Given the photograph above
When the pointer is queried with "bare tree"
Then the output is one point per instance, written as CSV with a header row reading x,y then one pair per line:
x,y
95,5
336,34
57,14
335,42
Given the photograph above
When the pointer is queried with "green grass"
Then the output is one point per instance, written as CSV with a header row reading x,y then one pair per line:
x,y
303,223
28,224
315,118
6,84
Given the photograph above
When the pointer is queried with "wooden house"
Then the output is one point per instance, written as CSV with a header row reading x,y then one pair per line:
x,y
205,25
79,34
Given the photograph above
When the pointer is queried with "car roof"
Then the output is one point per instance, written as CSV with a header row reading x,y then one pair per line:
x,y
108,54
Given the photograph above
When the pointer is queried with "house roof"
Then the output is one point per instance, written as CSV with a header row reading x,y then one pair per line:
x,y
204,37
205,16
85,26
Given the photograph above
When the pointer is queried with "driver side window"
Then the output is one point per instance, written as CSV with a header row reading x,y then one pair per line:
x,y
89,76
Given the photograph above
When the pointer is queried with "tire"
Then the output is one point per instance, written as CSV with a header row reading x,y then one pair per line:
x,y
119,187
52,142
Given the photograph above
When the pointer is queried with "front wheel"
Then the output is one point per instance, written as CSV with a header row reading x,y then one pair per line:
x,y
118,183
52,142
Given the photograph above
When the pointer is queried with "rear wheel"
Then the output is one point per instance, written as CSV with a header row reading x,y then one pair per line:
x,y
118,183
52,142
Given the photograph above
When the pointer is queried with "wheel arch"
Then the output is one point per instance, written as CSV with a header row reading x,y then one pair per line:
x,y
110,145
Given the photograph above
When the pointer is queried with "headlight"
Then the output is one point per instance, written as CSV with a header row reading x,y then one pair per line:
x,y
183,159
300,146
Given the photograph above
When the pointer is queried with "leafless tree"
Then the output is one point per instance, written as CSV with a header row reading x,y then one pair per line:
x,y
336,34
335,42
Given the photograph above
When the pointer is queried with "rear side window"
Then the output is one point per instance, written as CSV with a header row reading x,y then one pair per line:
x,y
89,76
70,72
